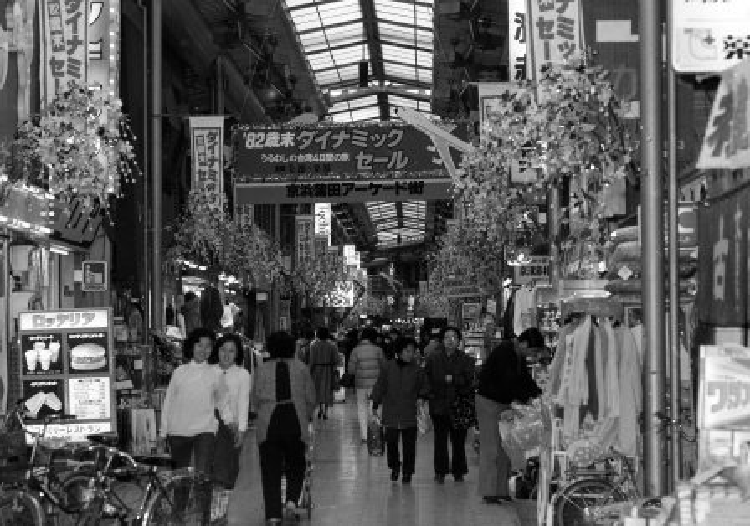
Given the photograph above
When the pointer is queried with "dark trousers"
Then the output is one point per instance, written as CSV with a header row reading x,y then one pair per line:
x,y
409,443
196,451
283,451
199,448
444,431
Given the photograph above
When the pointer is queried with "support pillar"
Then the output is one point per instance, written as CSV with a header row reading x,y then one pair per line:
x,y
156,165
652,236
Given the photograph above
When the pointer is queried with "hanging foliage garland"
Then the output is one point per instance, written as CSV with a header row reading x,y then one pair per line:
x,y
565,128
83,144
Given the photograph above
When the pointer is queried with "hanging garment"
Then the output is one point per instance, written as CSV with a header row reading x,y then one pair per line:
x,y
577,392
612,378
630,391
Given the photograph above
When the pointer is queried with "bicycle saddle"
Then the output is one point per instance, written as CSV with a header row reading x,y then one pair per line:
x,y
104,439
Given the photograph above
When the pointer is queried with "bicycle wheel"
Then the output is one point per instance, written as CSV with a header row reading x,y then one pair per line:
x,y
184,499
18,507
574,499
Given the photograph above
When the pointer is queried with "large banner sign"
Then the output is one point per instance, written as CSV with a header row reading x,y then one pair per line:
x,y
727,140
335,152
723,260
724,399
207,148
556,34
65,37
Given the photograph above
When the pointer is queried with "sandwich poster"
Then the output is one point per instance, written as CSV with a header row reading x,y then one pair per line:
x,y
87,352
40,354
42,398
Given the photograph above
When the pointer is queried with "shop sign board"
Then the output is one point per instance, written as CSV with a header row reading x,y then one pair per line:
x,y
724,388
723,262
709,36
65,45
726,144
265,154
352,191
207,151
67,367
518,43
305,239
323,220
95,276
556,34
535,269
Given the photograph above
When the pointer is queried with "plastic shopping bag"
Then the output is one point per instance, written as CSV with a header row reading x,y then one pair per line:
x,y
424,422
375,437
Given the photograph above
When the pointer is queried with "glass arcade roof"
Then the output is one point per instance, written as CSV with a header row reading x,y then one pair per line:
x,y
398,223
395,37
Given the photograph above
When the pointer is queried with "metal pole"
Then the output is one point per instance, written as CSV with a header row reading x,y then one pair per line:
x,y
146,195
7,345
553,220
219,86
652,235
156,164
674,250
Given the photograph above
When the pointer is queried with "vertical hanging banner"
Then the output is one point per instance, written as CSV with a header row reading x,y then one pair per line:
x,y
556,34
207,148
104,44
305,239
64,45
323,220
518,42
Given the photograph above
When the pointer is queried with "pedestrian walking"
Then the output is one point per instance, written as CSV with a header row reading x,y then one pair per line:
x,y
365,363
324,357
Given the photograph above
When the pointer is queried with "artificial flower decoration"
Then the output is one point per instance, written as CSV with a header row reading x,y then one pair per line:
x,y
83,143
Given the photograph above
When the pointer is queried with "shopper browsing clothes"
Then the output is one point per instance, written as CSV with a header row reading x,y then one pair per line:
x,y
188,417
504,379
400,383
450,374
365,363
324,357
284,395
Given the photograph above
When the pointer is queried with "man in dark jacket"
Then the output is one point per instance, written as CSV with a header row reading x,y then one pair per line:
x,y
400,383
450,373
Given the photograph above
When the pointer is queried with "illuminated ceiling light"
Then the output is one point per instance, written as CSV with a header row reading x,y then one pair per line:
x,y
59,250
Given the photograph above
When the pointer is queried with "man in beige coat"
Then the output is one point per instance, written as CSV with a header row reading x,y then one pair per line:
x,y
365,363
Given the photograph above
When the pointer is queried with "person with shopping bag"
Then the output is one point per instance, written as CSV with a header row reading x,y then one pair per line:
x,y
365,363
232,415
504,379
450,373
400,384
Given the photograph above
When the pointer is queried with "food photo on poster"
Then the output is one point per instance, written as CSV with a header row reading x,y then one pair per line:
x,y
43,398
41,354
89,398
87,352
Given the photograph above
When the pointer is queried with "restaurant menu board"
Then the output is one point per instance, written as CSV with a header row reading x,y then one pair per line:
x,y
43,398
41,354
90,397
67,367
87,352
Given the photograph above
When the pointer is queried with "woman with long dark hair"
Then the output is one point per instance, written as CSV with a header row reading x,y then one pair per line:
x,y
324,357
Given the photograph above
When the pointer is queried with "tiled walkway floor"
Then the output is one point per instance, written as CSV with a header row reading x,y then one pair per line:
x,y
350,488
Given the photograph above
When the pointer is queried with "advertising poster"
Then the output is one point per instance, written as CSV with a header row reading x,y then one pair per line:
x,y
87,352
89,397
42,398
41,354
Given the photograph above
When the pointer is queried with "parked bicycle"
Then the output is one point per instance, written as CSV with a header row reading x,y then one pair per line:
x,y
32,493
169,497
597,497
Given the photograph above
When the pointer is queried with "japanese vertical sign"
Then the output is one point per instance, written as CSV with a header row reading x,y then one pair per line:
x,y
65,45
727,140
723,262
556,34
104,44
207,148
323,220
305,239
517,43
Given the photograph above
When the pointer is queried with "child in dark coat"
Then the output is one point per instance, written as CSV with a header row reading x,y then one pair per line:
x,y
400,384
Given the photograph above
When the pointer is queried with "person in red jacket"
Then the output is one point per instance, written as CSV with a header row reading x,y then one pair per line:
x,y
400,384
